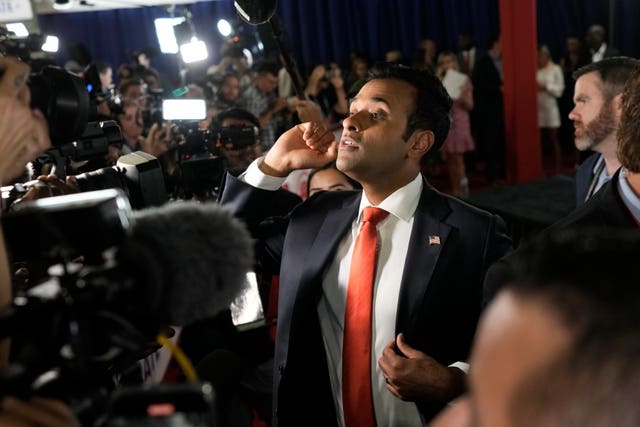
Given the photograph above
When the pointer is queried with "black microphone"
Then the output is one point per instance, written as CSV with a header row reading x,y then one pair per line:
x,y
203,254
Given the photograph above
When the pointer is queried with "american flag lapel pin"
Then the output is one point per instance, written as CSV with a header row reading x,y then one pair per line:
x,y
434,240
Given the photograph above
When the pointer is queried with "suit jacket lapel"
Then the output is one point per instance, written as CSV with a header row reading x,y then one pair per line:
x,y
330,234
428,236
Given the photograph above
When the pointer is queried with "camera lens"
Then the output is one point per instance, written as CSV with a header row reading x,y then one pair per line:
x,y
63,99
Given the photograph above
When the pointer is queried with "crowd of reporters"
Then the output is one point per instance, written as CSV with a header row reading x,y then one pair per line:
x,y
192,159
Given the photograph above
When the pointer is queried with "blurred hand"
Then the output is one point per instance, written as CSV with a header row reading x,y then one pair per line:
x,y
23,131
317,74
48,186
337,81
37,412
279,104
157,141
309,111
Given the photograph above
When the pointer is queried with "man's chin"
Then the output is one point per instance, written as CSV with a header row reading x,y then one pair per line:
x,y
583,144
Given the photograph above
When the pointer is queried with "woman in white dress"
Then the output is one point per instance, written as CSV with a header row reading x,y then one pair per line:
x,y
550,88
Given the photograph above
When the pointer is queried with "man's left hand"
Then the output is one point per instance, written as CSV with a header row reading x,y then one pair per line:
x,y
416,376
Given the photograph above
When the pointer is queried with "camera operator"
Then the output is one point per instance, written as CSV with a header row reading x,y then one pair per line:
x,y
130,121
237,153
23,135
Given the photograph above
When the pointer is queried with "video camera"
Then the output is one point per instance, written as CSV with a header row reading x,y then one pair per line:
x,y
138,175
61,96
101,298
80,328
80,331
235,137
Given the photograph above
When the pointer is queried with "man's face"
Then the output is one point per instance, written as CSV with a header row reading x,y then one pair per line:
x,y
106,78
573,44
230,89
594,38
133,92
131,123
267,82
516,338
594,118
371,147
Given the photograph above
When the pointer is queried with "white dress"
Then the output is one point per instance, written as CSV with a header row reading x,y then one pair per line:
x,y
553,81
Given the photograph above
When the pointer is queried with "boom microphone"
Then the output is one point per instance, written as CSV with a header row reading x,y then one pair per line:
x,y
203,254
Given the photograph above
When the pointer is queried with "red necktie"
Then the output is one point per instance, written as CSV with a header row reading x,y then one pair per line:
x,y
357,397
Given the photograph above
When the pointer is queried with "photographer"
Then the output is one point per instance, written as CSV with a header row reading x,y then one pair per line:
x,y
237,153
23,135
130,121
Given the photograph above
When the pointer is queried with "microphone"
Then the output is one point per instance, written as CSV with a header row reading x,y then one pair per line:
x,y
203,255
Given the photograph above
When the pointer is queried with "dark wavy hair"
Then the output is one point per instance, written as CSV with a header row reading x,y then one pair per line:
x,y
433,104
629,129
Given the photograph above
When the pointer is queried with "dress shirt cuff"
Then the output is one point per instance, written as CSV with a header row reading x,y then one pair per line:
x,y
463,366
256,178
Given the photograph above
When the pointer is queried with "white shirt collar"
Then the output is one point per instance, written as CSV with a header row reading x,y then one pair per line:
x,y
402,203
629,197
598,55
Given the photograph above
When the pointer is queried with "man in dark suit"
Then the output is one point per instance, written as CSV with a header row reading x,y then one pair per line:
x,y
487,116
596,116
598,48
433,251
616,205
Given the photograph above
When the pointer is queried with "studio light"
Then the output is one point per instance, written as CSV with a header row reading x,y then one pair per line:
x,y
194,51
51,44
19,29
225,28
165,34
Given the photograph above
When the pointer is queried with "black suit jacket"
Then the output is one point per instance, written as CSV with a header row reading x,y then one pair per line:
x,y
584,177
440,295
605,209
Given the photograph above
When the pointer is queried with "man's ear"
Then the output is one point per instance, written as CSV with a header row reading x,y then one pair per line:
x,y
421,142
617,104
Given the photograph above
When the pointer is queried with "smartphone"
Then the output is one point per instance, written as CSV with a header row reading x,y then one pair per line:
x,y
184,109
163,405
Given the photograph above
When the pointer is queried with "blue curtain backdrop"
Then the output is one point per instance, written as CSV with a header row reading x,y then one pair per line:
x,y
328,30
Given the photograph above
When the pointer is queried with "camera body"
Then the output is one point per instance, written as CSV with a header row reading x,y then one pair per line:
x,y
235,137
61,96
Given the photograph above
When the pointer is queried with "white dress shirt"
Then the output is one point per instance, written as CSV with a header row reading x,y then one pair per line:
x,y
598,55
